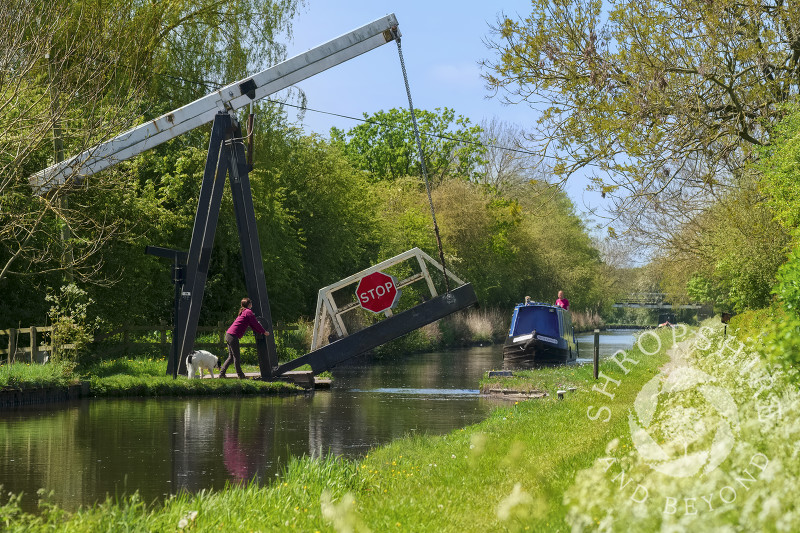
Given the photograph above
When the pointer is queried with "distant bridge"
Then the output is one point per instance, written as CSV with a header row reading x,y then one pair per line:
x,y
651,300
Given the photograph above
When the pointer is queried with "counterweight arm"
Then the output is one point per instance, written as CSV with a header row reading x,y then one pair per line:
x,y
229,98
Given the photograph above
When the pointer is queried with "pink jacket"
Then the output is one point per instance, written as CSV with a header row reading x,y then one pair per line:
x,y
247,318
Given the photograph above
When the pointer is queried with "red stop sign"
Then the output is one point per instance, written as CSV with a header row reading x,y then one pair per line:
x,y
377,292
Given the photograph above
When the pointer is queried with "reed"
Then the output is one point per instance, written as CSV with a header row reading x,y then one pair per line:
x,y
587,320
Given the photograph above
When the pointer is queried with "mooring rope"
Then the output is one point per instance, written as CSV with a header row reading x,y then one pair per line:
x,y
396,35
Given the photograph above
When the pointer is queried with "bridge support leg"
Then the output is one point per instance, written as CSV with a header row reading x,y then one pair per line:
x,y
225,157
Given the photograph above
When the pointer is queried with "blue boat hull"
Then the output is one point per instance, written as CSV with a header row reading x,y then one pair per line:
x,y
540,334
530,354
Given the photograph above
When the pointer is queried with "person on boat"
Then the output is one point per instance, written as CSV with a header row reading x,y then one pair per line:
x,y
246,319
562,302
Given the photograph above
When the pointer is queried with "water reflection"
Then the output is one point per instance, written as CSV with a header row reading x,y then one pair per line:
x,y
85,450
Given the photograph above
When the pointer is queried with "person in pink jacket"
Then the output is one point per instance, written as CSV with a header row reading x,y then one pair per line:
x,y
562,302
246,319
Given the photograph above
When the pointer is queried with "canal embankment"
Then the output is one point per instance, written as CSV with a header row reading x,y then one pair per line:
x,y
36,384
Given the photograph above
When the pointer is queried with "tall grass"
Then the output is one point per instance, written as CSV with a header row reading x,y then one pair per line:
x,y
587,320
23,375
475,326
470,327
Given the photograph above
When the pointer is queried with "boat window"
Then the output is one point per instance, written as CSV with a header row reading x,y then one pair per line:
x,y
543,319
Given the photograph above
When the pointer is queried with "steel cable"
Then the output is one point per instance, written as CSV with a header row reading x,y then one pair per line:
x,y
396,35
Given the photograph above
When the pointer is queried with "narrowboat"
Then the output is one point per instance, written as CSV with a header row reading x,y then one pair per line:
x,y
540,334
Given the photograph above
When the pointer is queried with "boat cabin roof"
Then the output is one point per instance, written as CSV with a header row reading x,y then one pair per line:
x,y
545,318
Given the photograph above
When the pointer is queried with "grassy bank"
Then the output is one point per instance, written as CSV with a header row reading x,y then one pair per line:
x,y
145,377
130,377
24,375
510,472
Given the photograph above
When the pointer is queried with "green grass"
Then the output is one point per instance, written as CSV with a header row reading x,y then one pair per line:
x,y
24,375
133,377
147,377
547,379
510,472
121,385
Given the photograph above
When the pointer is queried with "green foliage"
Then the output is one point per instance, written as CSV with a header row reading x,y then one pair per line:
x,y
779,167
729,254
702,289
788,288
70,321
316,217
781,328
632,316
385,146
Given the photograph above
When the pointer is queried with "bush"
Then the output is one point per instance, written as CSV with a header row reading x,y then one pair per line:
x,y
71,325
781,324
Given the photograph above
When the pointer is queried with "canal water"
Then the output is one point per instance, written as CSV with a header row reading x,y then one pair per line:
x,y
85,450
611,341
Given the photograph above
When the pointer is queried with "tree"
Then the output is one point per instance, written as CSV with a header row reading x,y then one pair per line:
x,y
650,93
778,168
61,66
385,145
728,254
508,162
70,76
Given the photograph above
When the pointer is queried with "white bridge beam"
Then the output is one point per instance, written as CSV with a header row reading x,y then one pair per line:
x,y
228,98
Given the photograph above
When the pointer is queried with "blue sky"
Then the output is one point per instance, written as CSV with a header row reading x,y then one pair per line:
x,y
442,44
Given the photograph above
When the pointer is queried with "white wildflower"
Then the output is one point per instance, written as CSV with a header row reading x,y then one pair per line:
x,y
517,498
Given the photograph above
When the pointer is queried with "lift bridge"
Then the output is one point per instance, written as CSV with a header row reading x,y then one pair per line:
x,y
226,157
651,300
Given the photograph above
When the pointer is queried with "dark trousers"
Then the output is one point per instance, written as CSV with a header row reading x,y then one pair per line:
x,y
233,356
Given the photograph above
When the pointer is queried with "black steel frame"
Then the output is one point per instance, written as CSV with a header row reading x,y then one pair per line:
x,y
226,157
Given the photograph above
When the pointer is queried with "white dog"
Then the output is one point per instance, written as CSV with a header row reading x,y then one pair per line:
x,y
199,360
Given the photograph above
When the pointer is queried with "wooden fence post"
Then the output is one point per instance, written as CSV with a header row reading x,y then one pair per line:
x,y
34,344
12,345
221,328
596,355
